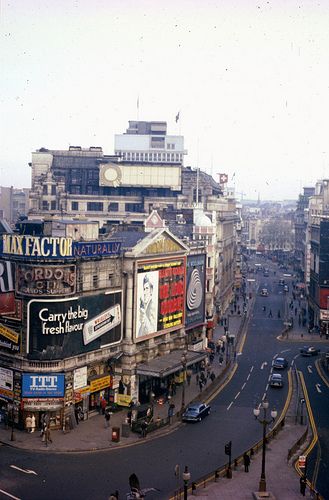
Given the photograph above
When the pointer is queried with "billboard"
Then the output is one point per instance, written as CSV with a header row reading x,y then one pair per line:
x,y
61,328
7,287
160,296
33,280
43,385
195,290
9,339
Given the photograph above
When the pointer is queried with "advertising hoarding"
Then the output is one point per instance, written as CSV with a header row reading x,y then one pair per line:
x,y
195,290
80,378
9,339
61,328
6,379
160,296
43,385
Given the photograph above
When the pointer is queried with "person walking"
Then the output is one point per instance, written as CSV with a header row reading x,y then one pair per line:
x,y
32,423
246,461
103,405
270,314
144,429
48,435
28,423
188,377
107,417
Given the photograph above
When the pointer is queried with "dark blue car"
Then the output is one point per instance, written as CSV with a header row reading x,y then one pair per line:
x,y
195,412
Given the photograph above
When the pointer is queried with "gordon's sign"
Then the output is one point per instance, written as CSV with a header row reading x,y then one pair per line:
x,y
36,246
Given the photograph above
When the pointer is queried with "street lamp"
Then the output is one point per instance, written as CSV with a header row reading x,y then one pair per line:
x,y
186,477
264,422
184,361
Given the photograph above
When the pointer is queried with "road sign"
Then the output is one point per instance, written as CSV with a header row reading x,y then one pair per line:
x,y
302,461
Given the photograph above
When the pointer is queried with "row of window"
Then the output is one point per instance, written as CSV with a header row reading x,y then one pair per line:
x,y
95,206
164,157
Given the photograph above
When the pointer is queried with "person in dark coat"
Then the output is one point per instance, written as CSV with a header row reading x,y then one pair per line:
x,y
246,461
107,418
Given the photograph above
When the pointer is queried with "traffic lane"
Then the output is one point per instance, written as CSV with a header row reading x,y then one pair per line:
x,y
318,394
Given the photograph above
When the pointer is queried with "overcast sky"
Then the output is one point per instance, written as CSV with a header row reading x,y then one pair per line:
x,y
250,79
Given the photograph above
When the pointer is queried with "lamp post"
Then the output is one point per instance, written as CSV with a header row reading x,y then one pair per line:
x,y
12,408
184,361
186,477
264,422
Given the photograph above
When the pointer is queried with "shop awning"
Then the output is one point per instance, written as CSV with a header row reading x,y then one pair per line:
x,y
163,366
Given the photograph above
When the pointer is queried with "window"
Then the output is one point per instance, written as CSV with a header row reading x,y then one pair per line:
x,y
95,281
209,262
53,205
142,156
137,156
92,175
44,189
75,189
94,206
45,205
75,205
208,285
158,142
53,189
113,207
134,207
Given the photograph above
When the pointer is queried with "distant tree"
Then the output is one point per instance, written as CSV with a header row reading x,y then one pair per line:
x,y
277,235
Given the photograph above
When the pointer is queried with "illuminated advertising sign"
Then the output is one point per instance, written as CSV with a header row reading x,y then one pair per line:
x,y
195,290
45,280
9,339
96,248
43,385
49,247
61,328
160,296
7,288
36,246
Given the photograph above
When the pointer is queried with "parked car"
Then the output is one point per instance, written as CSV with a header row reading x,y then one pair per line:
x,y
264,292
276,380
195,412
309,351
280,363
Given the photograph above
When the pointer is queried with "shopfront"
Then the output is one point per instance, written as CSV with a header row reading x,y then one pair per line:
x,y
43,398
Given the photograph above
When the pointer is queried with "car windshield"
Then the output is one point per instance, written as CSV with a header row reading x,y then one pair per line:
x,y
276,375
192,410
279,360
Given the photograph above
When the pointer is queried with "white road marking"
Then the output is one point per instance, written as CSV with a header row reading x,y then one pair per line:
x,y
286,350
318,387
266,388
309,369
9,495
248,377
264,396
229,406
263,365
26,471
237,395
244,385
251,369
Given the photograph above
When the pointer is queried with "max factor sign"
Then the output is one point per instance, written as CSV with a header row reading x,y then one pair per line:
x,y
35,246
56,247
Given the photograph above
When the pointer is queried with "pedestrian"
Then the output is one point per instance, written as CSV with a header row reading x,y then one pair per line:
x,y
302,482
212,376
171,412
279,314
144,429
32,423
48,435
246,461
200,385
188,377
107,417
103,405
197,378
220,359
173,387
264,308
28,423
270,314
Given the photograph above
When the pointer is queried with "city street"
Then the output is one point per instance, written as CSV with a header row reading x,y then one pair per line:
x,y
200,446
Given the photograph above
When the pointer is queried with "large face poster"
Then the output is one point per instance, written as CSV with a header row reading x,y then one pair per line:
x,y
195,290
62,328
160,296
7,288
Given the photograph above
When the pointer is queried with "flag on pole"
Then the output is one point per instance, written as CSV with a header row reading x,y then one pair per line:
x,y
223,178
177,116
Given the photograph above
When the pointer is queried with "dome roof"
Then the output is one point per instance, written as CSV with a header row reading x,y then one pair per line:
x,y
201,219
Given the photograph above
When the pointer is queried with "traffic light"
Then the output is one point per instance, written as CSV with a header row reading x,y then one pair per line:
x,y
228,448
